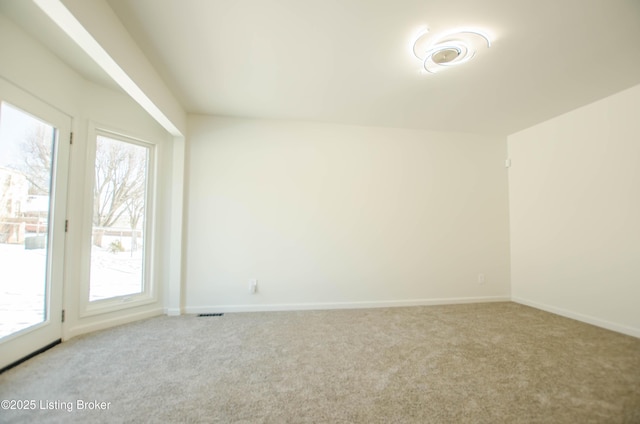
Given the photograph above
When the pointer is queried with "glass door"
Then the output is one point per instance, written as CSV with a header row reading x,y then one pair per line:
x,y
34,155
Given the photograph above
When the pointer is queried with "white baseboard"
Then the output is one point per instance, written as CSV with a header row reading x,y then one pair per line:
x,y
104,324
172,312
341,305
630,331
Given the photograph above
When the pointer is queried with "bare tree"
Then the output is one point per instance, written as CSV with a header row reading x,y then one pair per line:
x,y
135,210
120,181
37,148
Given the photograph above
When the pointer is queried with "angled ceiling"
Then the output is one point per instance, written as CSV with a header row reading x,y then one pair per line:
x,y
36,23
350,61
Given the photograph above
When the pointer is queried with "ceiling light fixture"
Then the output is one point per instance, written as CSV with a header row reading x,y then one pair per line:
x,y
439,52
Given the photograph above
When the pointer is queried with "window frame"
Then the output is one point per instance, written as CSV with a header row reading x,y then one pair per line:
x,y
149,293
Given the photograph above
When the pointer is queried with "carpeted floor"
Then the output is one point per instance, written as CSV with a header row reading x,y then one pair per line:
x,y
483,363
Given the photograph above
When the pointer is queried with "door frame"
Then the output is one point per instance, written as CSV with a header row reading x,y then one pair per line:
x,y
23,344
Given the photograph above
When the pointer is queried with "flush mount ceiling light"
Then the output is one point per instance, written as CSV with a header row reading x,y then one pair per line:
x,y
441,51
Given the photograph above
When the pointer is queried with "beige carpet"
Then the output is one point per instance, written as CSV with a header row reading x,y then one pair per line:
x,y
485,363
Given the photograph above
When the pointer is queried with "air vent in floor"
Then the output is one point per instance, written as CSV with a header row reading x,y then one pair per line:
x,y
210,315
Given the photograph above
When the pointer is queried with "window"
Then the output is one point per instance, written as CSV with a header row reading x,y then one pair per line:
x,y
121,226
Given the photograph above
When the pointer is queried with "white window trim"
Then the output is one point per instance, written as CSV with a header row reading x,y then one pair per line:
x,y
150,290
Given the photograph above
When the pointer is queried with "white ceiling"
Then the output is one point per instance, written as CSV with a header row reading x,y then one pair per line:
x,y
350,61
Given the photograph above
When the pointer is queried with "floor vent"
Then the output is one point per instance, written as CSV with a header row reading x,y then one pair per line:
x,y
210,315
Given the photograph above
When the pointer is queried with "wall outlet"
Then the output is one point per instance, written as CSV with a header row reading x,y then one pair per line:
x,y
253,286
481,279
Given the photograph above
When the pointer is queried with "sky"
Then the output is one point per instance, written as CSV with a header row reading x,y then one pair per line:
x,y
15,125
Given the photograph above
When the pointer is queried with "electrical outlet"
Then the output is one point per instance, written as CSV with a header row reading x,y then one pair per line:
x,y
253,286
481,278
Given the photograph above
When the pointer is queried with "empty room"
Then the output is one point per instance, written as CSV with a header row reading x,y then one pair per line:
x,y
293,211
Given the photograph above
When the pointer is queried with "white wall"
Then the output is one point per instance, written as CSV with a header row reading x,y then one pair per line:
x,y
574,190
342,216
28,65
